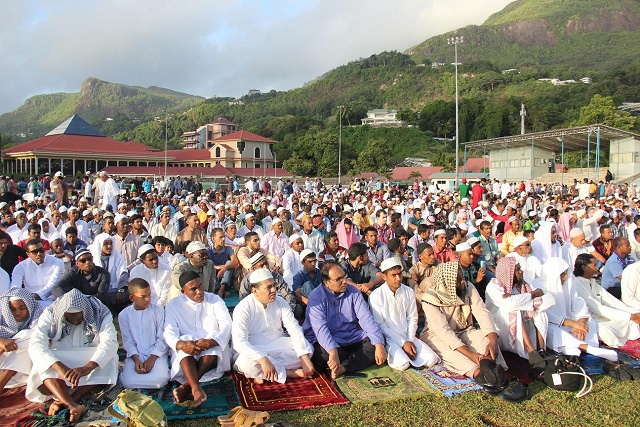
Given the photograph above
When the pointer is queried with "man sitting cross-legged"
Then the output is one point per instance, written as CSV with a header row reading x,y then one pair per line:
x,y
197,330
261,349
142,326
73,350
341,327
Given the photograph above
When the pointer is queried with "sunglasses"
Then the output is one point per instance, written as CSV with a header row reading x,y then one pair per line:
x,y
37,251
84,260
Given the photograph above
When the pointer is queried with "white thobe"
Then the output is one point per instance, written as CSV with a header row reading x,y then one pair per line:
x,y
159,279
18,360
612,315
74,351
256,229
170,232
570,252
39,279
187,320
257,332
291,264
81,226
397,316
630,286
16,233
142,334
530,265
501,308
109,192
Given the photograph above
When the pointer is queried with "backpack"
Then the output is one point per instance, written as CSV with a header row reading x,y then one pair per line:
x,y
562,372
137,410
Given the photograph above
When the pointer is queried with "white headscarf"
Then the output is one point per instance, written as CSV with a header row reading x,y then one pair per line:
x,y
542,247
53,233
568,305
116,263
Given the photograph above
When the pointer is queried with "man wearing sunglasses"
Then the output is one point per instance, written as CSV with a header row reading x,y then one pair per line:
x,y
85,276
39,273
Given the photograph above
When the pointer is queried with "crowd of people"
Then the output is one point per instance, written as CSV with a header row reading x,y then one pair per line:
x,y
329,278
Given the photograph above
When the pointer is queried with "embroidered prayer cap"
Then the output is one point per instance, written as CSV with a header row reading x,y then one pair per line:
x,y
195,246
229,224
256,258
390,263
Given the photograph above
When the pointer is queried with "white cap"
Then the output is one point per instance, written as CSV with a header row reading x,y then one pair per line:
x,y
260,275
272,208
519,240
144,249
347,208
305,253
294,237
462,246
276,221
3,204
16,213
72,208
463,226
119,218
195,246
249,215
256,257
86,212
280,209
62,209
533,214
211,212
575,232
58,174
472,240
390,263
219,205
439,232
122,205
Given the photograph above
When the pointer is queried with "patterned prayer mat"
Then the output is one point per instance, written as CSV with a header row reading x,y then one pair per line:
x,y
221,398
13,406
447,382
632,348
232,300
518,367
383,384
317,392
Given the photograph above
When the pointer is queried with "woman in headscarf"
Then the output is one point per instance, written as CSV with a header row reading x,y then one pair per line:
x,y
106,256
73,349
565,225
450,306
346,234
10,254
19,313
545,244
48,232
518,309
571,329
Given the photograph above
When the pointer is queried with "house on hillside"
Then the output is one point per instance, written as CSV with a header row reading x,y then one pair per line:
x,y
382,117
203,136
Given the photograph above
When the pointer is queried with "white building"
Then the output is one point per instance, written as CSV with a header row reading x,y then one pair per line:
x,y
382,117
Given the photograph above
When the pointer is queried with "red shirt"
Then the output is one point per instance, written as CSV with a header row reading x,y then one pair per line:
x,y
476,195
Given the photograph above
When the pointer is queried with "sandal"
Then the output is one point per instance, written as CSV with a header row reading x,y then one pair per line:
x,y
231,415
248,418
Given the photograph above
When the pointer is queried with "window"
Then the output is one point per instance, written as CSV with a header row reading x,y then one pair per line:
x,y
217,151
257,153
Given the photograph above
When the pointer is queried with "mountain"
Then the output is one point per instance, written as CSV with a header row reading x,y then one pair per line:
x,y
569,35
98,102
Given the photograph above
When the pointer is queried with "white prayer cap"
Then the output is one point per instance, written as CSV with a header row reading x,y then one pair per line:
x,y
462,246
533,214
219,205
72,208
119,218
3,204
511,219
464,200
472,240
58,174
276,221
305,253
144,249
437,211
62,209
260,275
479,221
108,214
605,214
257,257
485,203
390,263
86,212
463,226
294,237
195,246
122,205
228,224
279,210
613,214
439,232
575,232
519,240
211,212
249,215
272,208
72,310
30,216
16,213
581,213
347,208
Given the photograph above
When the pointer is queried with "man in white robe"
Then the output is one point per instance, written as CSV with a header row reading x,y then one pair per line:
x,y
197,330
39,274
291,261
394,309
577,245
156,273
617,322
261,349
545,244
518,309
109,191
73,349
630,286
19,313
142,327
529,264
571,329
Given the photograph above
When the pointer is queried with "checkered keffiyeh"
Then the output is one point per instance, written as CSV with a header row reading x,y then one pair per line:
x,y
93,310
8,325
504,274
443,293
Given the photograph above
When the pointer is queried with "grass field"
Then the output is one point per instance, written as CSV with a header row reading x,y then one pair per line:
x,y
610,403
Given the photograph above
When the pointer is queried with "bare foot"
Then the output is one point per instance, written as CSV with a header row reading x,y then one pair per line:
x,y
295,373
54,408
75,413
338,372
199,396
180,393
258,381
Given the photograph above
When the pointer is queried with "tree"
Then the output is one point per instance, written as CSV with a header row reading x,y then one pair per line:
x,y
376,157
602,110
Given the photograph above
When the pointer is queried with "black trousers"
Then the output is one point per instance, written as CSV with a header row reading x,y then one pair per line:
x,y
616,291
354,357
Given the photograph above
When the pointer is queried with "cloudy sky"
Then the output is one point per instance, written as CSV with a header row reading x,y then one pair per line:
x,y
207,47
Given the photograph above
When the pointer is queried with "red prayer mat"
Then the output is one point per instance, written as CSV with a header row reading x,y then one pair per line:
x,y
317,392
632,348
14,406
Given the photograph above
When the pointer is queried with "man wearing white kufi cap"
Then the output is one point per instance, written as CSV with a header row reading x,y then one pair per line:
x,y
394,309
156,273
578,245
529,264
261,349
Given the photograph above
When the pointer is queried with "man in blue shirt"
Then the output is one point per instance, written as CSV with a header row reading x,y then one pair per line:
x,y
617,262
341,327
305,281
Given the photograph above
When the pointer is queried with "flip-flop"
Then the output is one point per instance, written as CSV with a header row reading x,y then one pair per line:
x,y
231,415
254,418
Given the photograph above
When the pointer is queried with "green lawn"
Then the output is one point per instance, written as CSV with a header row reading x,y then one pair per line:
x,y
610,403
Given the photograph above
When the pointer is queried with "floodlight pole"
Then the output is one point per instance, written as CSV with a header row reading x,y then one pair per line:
x,y
166,128
340,107
454,41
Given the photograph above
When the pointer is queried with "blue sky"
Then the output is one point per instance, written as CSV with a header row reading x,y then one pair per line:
x,y
207,47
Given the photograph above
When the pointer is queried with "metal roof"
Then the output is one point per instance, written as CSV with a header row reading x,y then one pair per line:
x,y
75,125
575,139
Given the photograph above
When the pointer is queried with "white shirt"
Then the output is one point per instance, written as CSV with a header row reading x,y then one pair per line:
x,y
256,229
313,241
159,230
253,324
159,279
16,233
142,331
38,279
81,226
530,266
290,266
630,284
396,314
274,244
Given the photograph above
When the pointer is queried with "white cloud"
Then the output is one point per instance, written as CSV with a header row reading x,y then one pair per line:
x,y
203,47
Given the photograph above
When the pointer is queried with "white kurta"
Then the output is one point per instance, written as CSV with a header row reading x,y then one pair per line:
x,y
630,285
74,351
570,252
39,279
18,361
142,334
258,332
188,320
530,265
501,308
5,281
397,316
109,192
290,266
612,315
159,279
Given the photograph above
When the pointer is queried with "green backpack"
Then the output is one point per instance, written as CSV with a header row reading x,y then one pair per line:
x,y
137,410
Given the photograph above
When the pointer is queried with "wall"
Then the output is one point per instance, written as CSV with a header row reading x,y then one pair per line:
x,y
514,164
624,157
